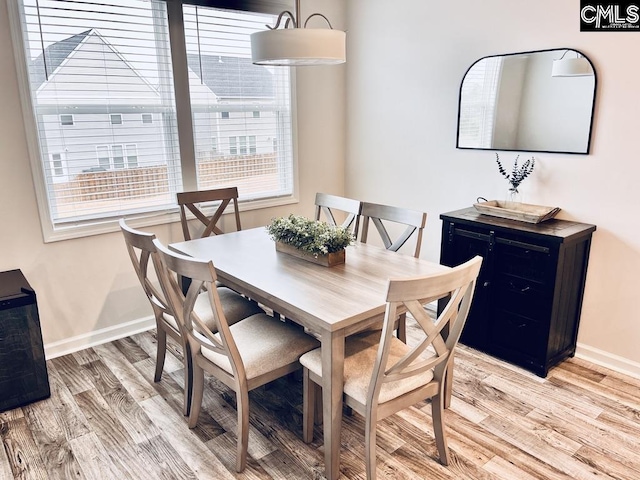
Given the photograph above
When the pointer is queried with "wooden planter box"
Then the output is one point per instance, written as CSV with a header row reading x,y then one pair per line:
x,y
328,260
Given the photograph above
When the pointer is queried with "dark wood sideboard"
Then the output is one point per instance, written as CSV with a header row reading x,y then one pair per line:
x,y
528,298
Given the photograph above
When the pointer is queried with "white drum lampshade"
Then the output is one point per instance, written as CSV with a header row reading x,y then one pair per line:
x,y
571,67
298,47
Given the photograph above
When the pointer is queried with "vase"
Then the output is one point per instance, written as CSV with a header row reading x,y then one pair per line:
x,y
327,260
513,199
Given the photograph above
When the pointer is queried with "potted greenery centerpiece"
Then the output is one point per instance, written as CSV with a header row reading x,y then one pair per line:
x,y
516,177
311,240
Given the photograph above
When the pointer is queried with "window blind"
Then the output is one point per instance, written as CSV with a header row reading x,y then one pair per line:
x,y
479,96
102,91
241,112
102,95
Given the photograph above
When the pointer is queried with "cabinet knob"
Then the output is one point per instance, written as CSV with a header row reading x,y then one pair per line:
x,y
486,284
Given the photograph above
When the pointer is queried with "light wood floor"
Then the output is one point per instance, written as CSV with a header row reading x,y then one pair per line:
x,y
107,419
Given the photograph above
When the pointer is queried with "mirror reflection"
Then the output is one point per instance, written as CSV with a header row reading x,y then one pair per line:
x,y
538,101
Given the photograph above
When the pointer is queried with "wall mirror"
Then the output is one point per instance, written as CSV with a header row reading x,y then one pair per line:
x,y
539,101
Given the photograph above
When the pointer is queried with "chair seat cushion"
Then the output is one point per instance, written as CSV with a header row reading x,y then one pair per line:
x,y
235,307
360,356
265,344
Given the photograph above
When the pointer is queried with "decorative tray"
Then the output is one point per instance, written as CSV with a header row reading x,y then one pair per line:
x,y
523,212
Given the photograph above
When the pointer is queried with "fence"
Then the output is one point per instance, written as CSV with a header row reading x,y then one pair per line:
x,y
153,181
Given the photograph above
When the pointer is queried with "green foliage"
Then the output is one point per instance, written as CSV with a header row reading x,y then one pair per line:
x,y
318,238
518,173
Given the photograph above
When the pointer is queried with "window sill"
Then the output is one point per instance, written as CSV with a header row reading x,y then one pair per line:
x,y
149,219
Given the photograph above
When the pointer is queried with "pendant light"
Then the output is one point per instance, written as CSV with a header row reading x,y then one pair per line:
x,y
571,67
296,45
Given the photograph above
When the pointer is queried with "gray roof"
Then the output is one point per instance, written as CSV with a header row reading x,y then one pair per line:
x,y
55,54
232,76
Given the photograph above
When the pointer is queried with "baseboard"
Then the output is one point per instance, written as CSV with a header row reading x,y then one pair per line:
x,y
97,337
608,360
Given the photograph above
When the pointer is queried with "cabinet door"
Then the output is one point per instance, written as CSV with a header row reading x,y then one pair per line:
x,y
460,244
522,297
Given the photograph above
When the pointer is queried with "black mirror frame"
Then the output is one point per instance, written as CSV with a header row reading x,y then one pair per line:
x,y
593,105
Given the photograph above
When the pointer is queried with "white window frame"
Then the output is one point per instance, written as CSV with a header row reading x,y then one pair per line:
x,y
63,124
103,148
51,233
63,164
130,150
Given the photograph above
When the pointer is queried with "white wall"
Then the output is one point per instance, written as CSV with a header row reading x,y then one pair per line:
x,y
87,285
406,61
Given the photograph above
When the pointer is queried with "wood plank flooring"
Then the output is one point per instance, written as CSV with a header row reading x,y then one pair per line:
x,y
107,419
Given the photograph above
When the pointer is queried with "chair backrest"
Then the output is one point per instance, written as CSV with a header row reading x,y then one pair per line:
x,y
326,203
458,284
202,273
141,248
191,200
413,219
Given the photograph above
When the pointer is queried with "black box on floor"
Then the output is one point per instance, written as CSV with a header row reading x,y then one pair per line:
x,y
23,370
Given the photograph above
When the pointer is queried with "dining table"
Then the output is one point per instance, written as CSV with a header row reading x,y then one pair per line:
x,y
330,302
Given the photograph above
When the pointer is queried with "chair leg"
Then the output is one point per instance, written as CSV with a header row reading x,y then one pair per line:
x,y
188,379
161,353
197,392
308,406
437,411
243,430
402,328
370,447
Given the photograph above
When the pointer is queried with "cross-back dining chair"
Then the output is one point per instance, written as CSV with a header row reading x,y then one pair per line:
x,y
191,201
141,249
326,204
383,375
243,356
414,222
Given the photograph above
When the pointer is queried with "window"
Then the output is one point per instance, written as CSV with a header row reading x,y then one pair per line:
x,y
104,157
94,57
113,157
57,165
117,156
477,118
256,114
132,155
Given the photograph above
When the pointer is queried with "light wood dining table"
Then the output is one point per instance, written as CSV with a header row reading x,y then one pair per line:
x,y
332,302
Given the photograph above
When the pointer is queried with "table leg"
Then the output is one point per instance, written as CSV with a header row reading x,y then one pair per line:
x,y
332,385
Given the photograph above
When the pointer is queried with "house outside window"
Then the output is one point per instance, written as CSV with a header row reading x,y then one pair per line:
x,y
256,114
86,63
